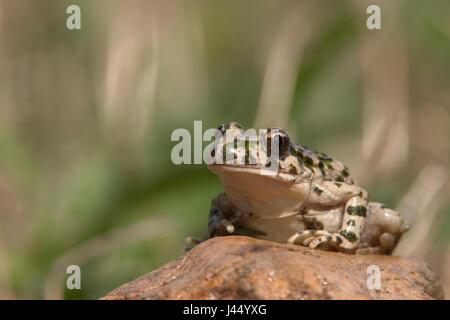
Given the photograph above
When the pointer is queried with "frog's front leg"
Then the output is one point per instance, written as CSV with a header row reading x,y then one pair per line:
x,y
222,217
348,236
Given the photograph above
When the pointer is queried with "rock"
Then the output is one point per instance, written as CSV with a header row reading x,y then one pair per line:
x,y
237,267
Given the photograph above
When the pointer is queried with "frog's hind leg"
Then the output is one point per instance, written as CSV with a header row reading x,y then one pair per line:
x,y
353,222
348,236
324,239
385,227
387,243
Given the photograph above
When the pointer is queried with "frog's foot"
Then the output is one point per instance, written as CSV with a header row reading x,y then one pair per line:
x,y
324,239
222,215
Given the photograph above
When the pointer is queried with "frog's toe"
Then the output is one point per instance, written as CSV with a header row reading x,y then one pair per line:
x,y
300,237
191,240
313,244
307,241
227,225
334,241
387,240
328,239
305,237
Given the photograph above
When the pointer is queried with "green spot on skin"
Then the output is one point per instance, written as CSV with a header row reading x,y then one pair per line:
x,y
317,190
338,184
324,157
309,161
226,151
329,238
357,211
338,240
330,167
351,222
292,169
345,173
360,194
340,179
350,236
247,151
320,165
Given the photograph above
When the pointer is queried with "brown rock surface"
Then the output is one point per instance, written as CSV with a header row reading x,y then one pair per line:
x,y
237,267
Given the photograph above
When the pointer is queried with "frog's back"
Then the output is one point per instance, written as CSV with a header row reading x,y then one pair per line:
x,y
322,165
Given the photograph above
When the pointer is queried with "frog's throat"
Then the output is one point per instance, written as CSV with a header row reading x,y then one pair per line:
x,y
257,170
267,196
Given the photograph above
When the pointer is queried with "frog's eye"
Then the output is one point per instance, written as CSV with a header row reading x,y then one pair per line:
x,y
229,125
280,138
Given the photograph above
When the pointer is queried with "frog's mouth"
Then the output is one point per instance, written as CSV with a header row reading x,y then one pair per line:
x,y
268,196
253,170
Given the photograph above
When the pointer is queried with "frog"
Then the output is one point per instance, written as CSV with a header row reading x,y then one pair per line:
x,y
309,199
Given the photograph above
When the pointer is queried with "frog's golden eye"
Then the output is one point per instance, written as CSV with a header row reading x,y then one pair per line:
x,y
229,125
280,138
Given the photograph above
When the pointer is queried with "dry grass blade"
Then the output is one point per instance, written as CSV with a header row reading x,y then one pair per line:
x,y
420,207
282,69
131,74
445,271
386,112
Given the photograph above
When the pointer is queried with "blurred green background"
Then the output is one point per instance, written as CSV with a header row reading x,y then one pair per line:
x,y
86,118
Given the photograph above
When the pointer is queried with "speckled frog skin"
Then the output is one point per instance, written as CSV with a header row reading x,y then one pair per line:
x,y
312,200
